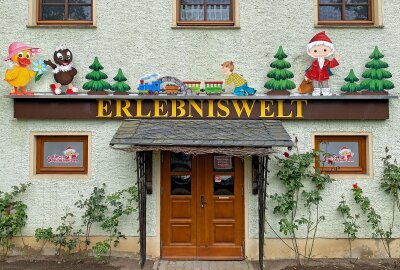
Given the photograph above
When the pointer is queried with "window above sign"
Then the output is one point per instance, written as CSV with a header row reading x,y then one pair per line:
x,y
342,154
62,12
206,13
348,12
56,154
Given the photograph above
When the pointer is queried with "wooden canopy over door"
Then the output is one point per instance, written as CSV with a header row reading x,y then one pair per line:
x,y
202,208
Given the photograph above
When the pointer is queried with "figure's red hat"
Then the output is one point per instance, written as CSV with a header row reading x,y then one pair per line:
x,y
321,36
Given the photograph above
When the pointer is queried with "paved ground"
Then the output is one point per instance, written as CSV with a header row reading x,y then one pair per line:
x,y
203,265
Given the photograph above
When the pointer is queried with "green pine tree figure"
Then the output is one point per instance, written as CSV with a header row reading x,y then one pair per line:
x,y
376,75
352,86
120,86
96,85
280,75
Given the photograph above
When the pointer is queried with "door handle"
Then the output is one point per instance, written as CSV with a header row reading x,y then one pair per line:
x,y
202,201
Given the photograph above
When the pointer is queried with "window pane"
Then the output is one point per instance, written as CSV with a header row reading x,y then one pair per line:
x,y
53,1
63,154
330,13
224,185
218,12
192,12
80,13
340,154
181,185
53,12
357,1
330,1
181,162
80,1
357,13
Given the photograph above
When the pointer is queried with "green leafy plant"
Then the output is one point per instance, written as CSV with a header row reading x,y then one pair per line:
x,y
390,181
294,172
96,83
63,238
119,204
280,75
349,221
12,216
120,85
352,86
376,75
99,208
95,211
375,220
101,249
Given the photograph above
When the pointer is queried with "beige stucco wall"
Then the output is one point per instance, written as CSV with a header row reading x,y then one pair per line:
x,y
138,36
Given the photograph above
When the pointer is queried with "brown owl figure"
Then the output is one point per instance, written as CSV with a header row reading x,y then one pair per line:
x,y
63,71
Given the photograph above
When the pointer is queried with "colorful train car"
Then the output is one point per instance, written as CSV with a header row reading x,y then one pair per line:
x,y
213,87
171,89
195,86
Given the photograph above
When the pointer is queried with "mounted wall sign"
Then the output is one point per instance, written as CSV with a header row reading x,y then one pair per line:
x,y
203,107
223,163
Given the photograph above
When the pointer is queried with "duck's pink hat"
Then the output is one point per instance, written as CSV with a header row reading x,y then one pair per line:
x,y
17,47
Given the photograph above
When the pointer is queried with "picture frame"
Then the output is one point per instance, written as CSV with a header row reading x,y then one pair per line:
x,y
341,154
61,154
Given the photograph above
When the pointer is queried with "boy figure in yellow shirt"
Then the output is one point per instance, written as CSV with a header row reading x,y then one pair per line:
x,y
241,87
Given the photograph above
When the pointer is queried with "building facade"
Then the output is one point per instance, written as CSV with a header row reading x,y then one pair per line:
x,y
170,38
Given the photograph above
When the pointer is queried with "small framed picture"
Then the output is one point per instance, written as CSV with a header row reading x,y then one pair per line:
x,y
61,154
342,154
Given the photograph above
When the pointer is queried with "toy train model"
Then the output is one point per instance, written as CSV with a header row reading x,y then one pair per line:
x,y
173,86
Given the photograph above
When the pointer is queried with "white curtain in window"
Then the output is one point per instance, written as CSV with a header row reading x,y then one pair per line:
x,y
193,10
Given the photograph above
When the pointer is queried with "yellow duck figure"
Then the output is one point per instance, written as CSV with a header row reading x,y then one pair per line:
x,y
19,57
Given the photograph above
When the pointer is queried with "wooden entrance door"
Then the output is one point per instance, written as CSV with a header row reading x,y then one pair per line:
x,y
202,216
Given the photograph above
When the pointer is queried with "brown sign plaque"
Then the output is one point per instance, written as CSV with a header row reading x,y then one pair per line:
x,y
203,108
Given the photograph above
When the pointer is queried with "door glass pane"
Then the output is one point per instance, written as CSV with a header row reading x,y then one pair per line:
x,y
53,12
224,185
181,162
181,185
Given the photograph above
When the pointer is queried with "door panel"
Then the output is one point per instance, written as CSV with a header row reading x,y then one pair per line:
x,y
202,213
178,215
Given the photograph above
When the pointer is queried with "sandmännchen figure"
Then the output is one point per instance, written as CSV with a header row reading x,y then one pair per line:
x,y
320,48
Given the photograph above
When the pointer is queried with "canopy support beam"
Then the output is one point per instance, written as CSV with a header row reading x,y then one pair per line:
x,y
261,174
141,184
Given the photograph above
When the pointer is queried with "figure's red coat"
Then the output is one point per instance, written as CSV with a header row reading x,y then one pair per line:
x,y
315,73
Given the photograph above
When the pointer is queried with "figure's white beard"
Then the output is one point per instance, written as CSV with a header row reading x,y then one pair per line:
x,y
321,62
